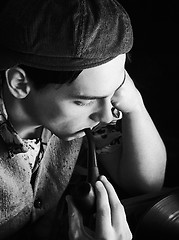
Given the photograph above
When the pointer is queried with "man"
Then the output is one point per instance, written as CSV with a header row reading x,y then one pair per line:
x,y
63,70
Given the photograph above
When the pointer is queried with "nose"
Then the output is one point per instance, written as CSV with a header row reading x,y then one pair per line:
x,y
103,114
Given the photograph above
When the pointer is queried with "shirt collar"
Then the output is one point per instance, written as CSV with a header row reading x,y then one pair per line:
x,y
11,138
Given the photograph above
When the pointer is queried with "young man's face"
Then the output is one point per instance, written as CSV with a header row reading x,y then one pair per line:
x,y
68,109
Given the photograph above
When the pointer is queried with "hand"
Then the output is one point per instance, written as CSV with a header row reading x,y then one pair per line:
x,y
111,223
127,98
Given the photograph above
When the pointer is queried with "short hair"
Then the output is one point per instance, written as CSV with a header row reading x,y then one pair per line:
x,y
42,77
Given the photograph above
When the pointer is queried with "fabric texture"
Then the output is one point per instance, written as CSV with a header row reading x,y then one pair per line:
x,y
18,196
25,180
64,35
7,132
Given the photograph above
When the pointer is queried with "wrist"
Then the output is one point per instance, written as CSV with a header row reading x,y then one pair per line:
x,y
139,110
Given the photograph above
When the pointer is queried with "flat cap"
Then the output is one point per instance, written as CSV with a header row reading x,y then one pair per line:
x,y
63,35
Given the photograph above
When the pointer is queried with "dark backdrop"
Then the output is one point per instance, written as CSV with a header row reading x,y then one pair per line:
x,y
154,68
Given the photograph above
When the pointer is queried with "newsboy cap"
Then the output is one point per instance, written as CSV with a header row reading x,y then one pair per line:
x,y
63,35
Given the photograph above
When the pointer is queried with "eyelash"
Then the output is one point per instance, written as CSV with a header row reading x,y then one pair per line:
x,y
79,103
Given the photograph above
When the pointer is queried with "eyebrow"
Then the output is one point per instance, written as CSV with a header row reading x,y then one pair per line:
x,y
84,97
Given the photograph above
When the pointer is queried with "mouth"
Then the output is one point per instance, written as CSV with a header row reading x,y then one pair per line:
x,y
98,126
81,132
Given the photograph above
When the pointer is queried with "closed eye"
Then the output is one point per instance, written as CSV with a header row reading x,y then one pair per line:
x,y
84,103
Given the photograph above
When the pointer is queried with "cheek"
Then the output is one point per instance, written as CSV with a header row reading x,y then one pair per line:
x,y
65,113
75,117
62,114
73,114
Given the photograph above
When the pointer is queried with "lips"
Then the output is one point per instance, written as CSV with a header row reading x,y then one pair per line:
x,y
98,126
92,128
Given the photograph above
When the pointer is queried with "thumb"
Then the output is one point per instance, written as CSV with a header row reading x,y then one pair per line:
x,y
74,219
76,228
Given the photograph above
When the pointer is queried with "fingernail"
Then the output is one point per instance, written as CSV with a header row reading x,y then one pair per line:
x,y
98,184
68,201
116,113
102,178
70,207
67,198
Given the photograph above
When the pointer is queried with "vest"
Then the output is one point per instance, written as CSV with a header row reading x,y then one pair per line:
x,y
23,203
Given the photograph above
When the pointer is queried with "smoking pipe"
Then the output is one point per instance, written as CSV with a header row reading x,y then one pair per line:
x,y
84,194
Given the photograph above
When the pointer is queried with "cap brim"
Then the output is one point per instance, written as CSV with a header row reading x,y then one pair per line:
x,y
10,58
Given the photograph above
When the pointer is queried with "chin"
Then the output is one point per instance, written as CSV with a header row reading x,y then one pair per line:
x,y
73,136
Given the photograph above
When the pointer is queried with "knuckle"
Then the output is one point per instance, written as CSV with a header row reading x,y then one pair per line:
x,y
117,206
104,212
127,235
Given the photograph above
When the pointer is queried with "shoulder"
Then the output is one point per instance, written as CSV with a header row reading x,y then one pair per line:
x,y
16,195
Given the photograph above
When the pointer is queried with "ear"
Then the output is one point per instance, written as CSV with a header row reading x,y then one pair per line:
x,y
17,82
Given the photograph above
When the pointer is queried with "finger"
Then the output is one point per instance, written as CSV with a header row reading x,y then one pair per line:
x,y
75,220
116,113
117,209
112,223
103,212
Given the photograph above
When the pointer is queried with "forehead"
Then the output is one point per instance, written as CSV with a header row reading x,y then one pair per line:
x,y
102,80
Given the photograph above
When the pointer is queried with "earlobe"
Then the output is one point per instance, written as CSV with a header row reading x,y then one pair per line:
x,y
17,82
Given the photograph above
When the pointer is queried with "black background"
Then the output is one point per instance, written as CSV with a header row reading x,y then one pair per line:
x,y
154,68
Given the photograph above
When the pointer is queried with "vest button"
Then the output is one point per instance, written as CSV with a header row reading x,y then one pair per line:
x,y
38,203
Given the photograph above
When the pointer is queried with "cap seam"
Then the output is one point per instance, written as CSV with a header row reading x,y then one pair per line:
x,y
81,28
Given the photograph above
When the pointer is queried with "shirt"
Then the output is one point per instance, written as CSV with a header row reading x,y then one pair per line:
x,y
30,190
